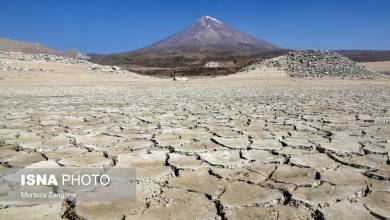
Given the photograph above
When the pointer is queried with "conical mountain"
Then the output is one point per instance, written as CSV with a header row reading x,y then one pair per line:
x,y
209,35
206,38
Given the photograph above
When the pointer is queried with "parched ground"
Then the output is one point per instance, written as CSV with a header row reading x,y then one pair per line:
x,y
380,67
236,147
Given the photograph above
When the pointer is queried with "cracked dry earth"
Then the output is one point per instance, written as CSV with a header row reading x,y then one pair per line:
x,y
222,148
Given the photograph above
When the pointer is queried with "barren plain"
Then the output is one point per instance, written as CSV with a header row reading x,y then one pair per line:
x,y
380,67
247,146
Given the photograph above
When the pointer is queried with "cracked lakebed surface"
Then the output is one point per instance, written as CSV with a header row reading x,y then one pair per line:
x,y
208,149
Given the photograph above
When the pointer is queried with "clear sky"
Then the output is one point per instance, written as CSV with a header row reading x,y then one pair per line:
x,y
106,26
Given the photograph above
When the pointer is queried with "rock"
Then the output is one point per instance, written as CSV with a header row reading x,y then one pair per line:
x,y
180,79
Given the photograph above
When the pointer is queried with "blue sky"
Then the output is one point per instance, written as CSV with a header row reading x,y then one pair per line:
x,y
115,26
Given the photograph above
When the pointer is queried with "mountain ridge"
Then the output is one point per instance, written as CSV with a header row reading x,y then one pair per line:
x,y
9,45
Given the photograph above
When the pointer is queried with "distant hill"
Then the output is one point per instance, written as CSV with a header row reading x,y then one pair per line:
x,y
34,48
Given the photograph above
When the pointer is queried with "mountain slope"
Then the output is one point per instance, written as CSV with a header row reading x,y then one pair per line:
x,y
34,48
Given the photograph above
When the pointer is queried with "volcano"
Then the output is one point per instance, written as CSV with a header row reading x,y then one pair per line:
x,y
206,38
209,36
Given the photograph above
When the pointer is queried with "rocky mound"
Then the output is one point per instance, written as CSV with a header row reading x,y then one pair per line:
x,y
316,63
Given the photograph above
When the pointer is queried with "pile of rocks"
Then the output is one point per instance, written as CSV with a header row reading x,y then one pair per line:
x,y
103,68
212,64
43,57
7,65
316,63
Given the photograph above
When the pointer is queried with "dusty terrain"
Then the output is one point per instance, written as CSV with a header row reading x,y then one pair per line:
x,y
246,146
380,67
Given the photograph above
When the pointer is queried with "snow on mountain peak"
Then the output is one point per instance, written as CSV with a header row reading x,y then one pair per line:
x,y
212,19
209,21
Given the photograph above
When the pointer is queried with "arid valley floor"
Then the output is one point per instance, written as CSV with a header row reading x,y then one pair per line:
x,y
245,146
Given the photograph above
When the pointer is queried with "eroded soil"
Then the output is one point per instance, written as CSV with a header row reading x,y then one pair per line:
x,y
208,148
